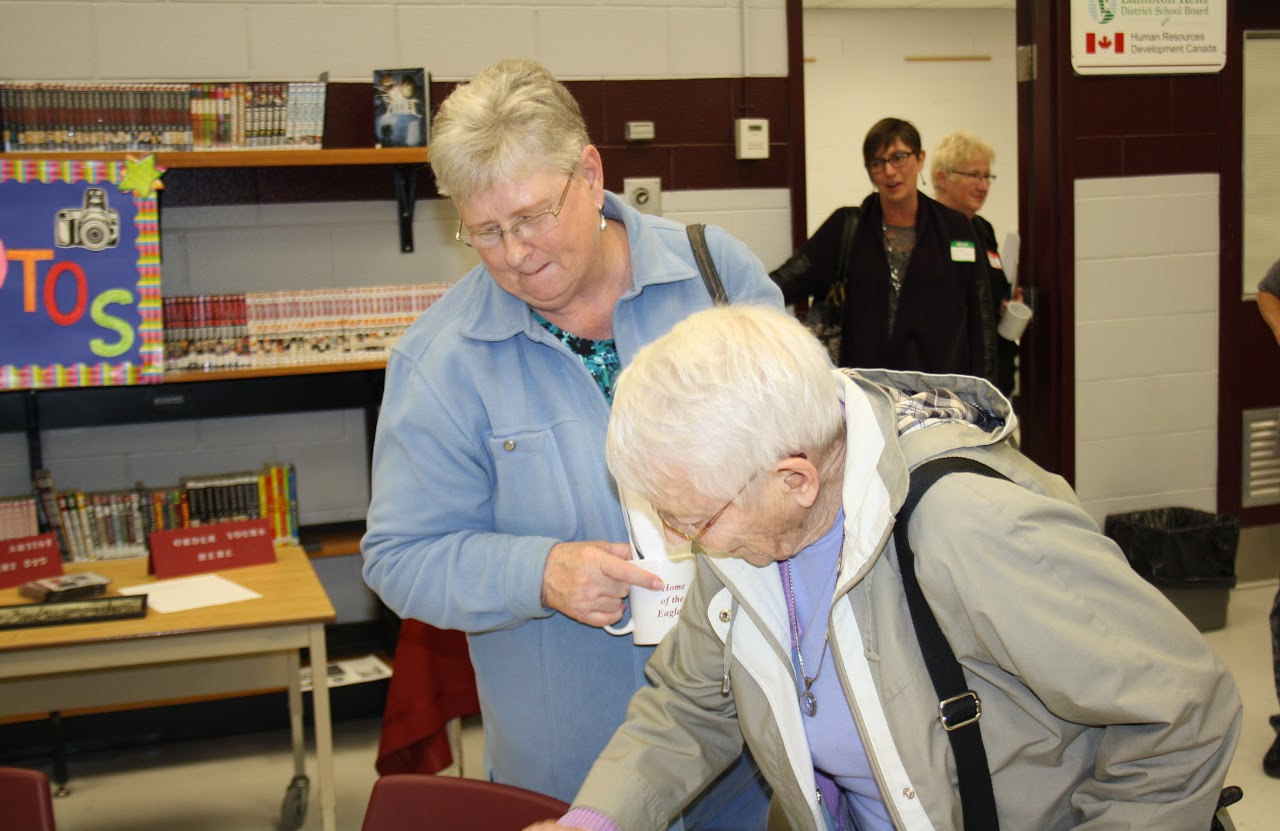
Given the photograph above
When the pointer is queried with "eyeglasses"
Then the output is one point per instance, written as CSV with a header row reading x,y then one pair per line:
x,y
706,526
975,177
895,160
527,228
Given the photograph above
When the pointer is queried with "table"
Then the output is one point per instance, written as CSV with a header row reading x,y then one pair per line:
x,y
248,645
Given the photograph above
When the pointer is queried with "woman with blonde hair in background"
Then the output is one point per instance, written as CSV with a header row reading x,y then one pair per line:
x,y
962,177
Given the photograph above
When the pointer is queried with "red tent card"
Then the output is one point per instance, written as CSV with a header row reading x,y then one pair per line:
x,y
211,548
29,558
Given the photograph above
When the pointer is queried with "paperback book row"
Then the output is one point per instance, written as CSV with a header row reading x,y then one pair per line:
x,y
103,525
259,115
286,328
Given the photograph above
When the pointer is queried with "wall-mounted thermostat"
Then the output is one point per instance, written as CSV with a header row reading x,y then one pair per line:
x,y
751,138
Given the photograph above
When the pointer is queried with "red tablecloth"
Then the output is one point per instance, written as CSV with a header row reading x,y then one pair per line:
x,y
432,683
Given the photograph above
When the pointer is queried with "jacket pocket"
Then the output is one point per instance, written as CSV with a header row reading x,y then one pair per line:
x,y
531,493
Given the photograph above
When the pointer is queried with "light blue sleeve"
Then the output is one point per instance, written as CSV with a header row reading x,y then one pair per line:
x,y
430,552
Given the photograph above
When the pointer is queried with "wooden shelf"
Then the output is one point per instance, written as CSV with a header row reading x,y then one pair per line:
x,y
233,374
335,540
250,158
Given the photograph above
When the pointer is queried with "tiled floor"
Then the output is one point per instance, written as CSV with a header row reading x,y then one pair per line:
x,y
237,783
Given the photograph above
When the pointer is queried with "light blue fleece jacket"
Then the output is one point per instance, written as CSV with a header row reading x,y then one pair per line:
x,y
489,451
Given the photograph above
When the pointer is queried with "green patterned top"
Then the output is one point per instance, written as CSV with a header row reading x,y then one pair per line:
x,y
600,357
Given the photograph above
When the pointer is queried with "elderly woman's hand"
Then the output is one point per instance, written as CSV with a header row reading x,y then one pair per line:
x,y
587,580
547,825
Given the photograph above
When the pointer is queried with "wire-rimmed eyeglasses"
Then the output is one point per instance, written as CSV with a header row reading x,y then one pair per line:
x,y
894,160
706,526
975,177
525,229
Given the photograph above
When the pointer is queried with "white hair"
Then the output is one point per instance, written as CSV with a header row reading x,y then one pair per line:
x,y
721,397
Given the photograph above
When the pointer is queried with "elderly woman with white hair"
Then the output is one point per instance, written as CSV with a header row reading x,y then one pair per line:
x,y
962,177
493,511
1099,705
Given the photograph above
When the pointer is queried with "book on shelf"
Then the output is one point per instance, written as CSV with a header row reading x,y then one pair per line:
x,y
18,517
149,117
113,524
400,107
288,328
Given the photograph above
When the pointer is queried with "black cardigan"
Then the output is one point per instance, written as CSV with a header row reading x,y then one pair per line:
x,y
944,323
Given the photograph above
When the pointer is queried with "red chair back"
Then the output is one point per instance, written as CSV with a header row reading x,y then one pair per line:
x,y
26,803
418,802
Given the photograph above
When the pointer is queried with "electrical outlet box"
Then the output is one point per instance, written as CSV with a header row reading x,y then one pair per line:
x,y
751,138
645,195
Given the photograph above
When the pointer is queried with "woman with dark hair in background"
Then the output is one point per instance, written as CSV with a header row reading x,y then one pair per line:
x,y
916,295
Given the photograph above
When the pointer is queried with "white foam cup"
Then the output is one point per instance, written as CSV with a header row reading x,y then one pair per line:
x,y
1014,321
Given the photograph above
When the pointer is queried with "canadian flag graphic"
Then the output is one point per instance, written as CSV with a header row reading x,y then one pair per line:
x,y
1094,44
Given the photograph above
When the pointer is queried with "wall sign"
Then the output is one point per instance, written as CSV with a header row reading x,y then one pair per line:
x,y
79,274
1148,37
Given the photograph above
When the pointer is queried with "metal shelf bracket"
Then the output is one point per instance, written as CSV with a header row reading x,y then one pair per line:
x,y
406,193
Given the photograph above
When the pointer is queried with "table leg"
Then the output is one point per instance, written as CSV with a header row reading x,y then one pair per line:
x,y
324,728
60,774
295,716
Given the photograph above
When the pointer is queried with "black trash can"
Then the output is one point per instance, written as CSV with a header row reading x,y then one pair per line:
x,y
1189,555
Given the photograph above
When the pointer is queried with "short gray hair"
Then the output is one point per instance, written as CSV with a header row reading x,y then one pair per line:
x,y
957,148
724,395
512,119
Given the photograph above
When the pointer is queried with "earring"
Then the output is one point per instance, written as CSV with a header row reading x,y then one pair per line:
x,y
602,224
923,183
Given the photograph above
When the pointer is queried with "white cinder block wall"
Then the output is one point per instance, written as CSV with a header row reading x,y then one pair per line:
x,y
1146,342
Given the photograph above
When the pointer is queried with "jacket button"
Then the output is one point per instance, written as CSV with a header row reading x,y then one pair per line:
x,y
724,615
509,444
909,793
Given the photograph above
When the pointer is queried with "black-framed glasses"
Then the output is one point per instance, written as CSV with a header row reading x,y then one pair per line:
x,y
975,177
894,160
531,226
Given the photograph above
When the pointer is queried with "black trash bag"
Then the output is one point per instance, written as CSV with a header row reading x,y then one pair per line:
x,y
1178,547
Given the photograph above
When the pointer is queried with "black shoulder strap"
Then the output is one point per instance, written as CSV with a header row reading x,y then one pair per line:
x,y
959,708
698,241
847,231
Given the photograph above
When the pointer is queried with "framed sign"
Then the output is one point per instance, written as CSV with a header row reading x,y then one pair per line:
x,y
1148,37
79,274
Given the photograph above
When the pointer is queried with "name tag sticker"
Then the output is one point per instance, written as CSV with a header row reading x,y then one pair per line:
x,y
994,259
963,252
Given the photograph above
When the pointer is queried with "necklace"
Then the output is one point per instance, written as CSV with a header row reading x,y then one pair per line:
x,y
808,701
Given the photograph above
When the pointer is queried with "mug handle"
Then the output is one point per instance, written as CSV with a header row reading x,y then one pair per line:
x,y
626,628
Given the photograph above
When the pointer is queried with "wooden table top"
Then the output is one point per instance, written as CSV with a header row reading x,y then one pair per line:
x,y
291,594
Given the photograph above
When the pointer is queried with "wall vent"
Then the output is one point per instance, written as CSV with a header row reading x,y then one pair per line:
x,y
1260,482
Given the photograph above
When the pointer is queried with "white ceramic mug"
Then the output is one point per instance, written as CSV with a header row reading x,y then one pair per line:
x,y
653,613
1014,322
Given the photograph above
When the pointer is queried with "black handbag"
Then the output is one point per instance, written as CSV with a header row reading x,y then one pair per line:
x,y
826,314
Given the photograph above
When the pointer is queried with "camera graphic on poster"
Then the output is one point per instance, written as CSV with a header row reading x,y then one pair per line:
x,y
93,226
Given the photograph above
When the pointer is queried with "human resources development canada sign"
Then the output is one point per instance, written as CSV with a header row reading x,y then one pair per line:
x,y
1148,37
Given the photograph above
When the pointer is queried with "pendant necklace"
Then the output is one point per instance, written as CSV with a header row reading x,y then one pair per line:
x,y
808,701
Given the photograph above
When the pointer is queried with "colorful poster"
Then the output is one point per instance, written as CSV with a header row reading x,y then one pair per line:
x,y
79,274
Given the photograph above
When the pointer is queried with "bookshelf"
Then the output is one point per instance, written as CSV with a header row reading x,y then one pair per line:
x,y
202,395
253,158
231,392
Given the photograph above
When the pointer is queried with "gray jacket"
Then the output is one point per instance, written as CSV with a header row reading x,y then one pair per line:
x,y
1102,706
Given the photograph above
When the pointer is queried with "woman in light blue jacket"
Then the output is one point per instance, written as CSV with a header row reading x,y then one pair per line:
x,y
493,511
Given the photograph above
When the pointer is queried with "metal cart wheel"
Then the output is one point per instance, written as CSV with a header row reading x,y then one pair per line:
x,y
293,810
